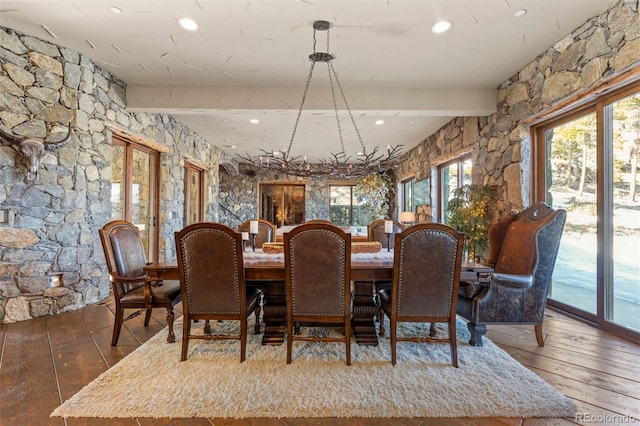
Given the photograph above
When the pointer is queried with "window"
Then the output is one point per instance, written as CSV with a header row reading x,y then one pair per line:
x,y
345,209
194,193
586,163
282,204
407,194
134,190
453,174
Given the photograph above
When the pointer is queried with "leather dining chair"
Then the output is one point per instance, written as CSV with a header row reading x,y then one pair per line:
x,y
426,274
266,231
212,281
318,270
132,289
375,232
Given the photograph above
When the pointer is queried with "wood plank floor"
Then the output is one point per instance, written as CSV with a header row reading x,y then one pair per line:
x,y
45,361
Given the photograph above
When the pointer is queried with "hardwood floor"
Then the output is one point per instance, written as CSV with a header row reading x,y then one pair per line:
x,y
45,361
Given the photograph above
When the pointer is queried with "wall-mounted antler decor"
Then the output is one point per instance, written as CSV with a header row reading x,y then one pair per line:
x,y
33,149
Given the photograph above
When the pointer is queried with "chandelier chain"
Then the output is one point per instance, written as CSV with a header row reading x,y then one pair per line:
x,y
304,97
335,107
337,166
346,104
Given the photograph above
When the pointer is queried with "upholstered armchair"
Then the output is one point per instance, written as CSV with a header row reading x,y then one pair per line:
x,y
266,231
522,251
132,289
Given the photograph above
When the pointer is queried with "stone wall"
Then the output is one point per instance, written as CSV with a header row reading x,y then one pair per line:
x,y
239,194
51,224
600,49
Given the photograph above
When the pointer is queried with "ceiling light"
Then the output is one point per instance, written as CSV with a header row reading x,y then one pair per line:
x,y
520,12
338,165
115,10
254,121
379,122
188,24
441,27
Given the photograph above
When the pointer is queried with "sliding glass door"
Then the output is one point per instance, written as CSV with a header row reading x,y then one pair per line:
x,y
587,163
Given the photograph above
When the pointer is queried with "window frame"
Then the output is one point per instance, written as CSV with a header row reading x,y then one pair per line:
x,y
596,103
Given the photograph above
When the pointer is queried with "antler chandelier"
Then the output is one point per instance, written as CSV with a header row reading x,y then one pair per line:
x,y
339,164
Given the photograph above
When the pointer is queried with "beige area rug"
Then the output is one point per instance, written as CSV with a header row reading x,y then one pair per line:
x,y
212,383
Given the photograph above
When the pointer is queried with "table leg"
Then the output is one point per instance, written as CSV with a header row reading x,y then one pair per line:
x,y
365,312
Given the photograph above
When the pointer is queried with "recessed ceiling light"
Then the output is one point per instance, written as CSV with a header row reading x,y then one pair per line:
x,y
188,24
520,12
254,121
441,27
115,10
379,122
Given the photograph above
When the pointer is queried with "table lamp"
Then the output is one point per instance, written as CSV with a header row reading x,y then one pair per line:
x,y
407,218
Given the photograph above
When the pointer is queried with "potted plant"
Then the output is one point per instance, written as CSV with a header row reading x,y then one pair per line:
x,y
469,211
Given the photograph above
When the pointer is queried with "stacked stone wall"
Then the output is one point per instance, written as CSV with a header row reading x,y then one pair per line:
x,y
604,47
51,224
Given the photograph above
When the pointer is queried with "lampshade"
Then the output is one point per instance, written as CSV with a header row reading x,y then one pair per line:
x,y
406,217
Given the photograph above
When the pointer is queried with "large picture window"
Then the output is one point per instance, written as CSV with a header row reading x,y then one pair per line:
x,y
587,163
345,206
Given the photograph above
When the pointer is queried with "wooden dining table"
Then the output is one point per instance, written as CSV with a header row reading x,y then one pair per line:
x,y
267,271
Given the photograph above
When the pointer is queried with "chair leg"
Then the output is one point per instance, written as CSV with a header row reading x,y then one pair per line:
x,y
186,331
170,317
243,338
539,338
207,327
454,342
117,325
394,340
289,340
477,331
381,331
347,336
147,316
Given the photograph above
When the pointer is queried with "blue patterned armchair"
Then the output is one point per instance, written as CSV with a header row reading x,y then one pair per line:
x,y
522,250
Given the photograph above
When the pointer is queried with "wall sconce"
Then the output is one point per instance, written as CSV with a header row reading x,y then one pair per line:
x,y
407,218
55,279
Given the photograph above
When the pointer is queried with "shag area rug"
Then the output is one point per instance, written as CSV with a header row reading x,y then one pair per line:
x,y
212,383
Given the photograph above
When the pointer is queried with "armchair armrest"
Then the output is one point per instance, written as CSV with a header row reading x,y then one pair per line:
x,y
511,280
124,280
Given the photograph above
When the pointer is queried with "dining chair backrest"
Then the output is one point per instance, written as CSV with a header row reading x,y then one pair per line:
x,y
375,232
426,274
318,274
124,252
211,269
266,231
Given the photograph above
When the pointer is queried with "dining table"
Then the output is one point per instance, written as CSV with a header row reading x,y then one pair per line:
x,y
267,271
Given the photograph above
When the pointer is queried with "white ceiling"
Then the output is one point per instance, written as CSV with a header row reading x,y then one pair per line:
x,y
249,59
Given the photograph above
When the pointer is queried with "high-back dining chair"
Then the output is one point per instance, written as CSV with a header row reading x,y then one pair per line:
x,y
375,232
212,282
318,273
426,275
132,289
266,231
